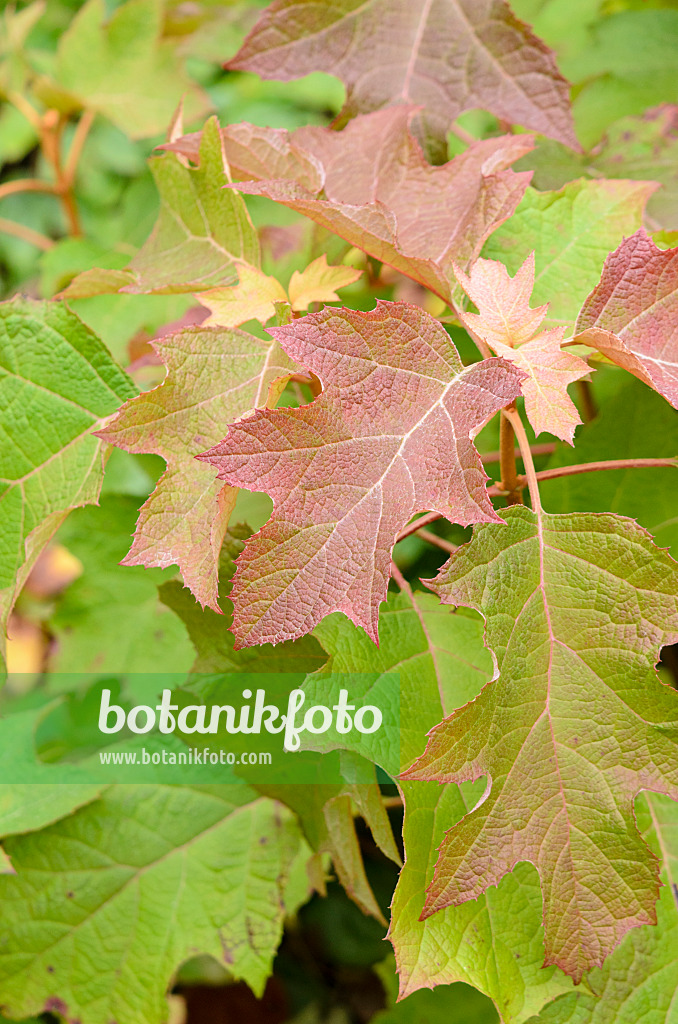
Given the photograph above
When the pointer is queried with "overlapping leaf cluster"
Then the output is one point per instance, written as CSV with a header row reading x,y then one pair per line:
x,y
536,754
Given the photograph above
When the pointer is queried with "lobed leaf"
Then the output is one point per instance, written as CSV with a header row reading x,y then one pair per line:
x,y
384,198
57,383
389,436
95,887
448,56
213,376
571,232
509,326
574,727
202,235
630,316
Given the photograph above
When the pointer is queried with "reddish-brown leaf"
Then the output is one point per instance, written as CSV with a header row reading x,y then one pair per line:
x,y
371,185
632,315
507,324
389,436
446,55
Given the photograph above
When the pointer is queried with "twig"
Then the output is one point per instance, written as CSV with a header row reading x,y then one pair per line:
x,y
425,520
25,185
594,467
399,578
25,108
433,538
537,449
11,227
79,137
588,404
462,134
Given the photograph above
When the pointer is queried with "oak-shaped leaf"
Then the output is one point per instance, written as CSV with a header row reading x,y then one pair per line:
x,y
213,377
575,725
510,327
57,384
140,881
389,436
255,295
202,235
371,185
632,315
440,661
640,980
447,56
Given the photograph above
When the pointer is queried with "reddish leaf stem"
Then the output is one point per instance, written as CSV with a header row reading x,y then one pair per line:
x,y
514,418
26,234
537,449
425,520
507,459
399,578
594,467
439,542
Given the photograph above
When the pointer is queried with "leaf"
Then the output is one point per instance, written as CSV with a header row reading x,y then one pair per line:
x,y
137,882
453,1004
640,980
202,235
213,377
325,811
509,326
123,68
319,283
575,725
147,637
371,185
35,802
634,423
252,298
211,636
389,436
255,295
643,148
630,316
57,382
496,942
448,56
570,232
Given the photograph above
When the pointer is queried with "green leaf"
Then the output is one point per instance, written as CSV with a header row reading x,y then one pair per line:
x,y
133,885
571,232
57,382
123,69
577,722
628,66
33,804
640,980
202,232
449,1004
635,422
495,943
147,637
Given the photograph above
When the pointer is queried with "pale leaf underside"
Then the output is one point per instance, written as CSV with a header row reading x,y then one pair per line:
x,y
510,327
